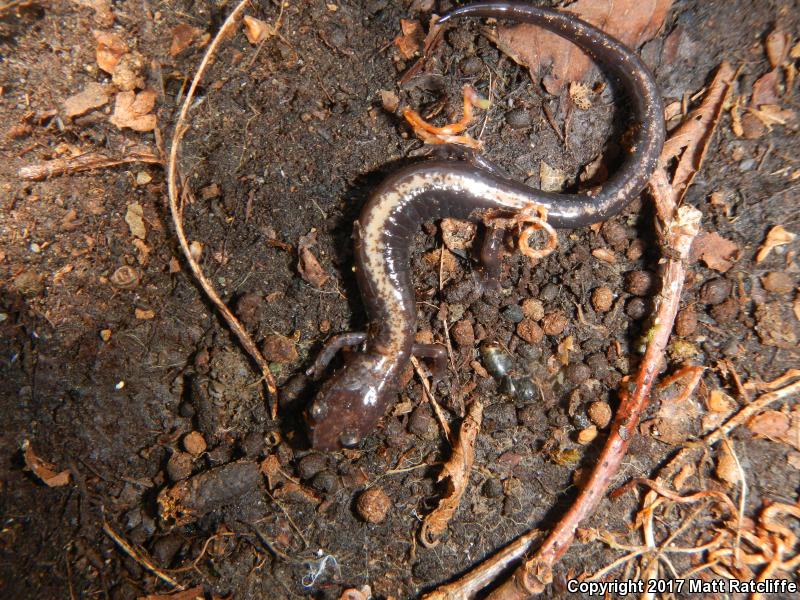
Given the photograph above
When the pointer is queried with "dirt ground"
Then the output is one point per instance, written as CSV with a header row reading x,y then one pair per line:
x,y
111,354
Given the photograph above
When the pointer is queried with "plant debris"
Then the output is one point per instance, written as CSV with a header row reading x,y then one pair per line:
x,y
631,21
44,470
457,472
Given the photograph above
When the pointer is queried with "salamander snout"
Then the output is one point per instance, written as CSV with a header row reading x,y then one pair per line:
x,y
341,413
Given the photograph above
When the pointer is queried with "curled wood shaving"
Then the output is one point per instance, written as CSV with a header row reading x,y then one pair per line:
x,y
457,471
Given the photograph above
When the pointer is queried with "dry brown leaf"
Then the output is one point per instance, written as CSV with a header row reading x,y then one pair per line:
x,y
310,269
110,48
631,21
134,217
715,251
144,314
182,37
690,141
778,426
411,40
777,47
93,96
727,469
777,236
42,469
457,471
772,114
765,89
794,459
132,110
257,30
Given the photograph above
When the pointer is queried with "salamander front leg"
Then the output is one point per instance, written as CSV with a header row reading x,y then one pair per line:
x,y
435,352
331,347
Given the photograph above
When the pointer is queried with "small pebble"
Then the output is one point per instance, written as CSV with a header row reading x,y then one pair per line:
x,y
513,313
602,299
577,373
497,362
279,349
598,363
686,322
747,165
422,423
585,436
105,335
472,65
640,283
492,488
600,414
194,443
635,250
311,464
778,282
463,333
636,308
549,292
530,331
179,466
325,482
554,323
373,505
614,234
533,309
715,291
518,118
725,312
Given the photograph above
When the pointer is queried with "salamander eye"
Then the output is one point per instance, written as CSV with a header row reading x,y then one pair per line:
x,y
349,439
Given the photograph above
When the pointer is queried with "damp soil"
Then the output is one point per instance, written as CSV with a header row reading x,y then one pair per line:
x,y
106,378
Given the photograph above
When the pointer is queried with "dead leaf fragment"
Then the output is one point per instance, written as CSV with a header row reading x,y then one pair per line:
x,y
110,48
715,251
182,37
42,469
132,110
411,40
777,236
765,89
631,21
256,30
310,269
777,46
778,426
144,314
134,217
93,96
727,470
457,471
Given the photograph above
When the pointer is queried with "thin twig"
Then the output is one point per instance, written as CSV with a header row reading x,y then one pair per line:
x,y
86,162
142,560
177,212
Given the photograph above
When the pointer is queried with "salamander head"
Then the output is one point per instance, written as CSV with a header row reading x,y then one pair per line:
x,y
346,408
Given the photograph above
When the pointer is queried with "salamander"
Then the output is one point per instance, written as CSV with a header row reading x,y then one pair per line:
x,y
353,400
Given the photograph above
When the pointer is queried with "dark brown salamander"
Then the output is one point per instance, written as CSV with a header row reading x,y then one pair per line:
x,y
350,403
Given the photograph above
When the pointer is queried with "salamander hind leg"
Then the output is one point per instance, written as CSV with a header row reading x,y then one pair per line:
x,y
331,347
